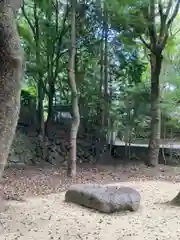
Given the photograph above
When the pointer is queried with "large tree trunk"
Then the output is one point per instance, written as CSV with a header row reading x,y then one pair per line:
x,y
157,42
154,142
11,68
74,93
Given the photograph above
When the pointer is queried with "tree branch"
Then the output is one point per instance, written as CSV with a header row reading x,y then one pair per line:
x,y
163,42
160,8
56,7
164,34
176,9
163,18
168,8
145,43
63,31
28,20
151,23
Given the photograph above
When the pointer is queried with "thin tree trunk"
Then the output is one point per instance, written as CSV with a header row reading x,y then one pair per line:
x,y
154,142
100,110
71,172
50,107
111,124
40,110
106,100
103,84
11,68
40,80
106,97
51,94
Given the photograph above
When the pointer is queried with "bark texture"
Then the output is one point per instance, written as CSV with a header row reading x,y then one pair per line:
x,y
74,93
154,141
11,68
157,42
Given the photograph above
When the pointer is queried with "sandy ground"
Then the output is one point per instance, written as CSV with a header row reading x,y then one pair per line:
x,y
49,217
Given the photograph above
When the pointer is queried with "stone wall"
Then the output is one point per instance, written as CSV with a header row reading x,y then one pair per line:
x,y
22,150
27,148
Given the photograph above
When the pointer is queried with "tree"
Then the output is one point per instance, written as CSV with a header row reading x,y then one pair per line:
x,y
156,45
45,22
111,68
141,20
11,67
74,94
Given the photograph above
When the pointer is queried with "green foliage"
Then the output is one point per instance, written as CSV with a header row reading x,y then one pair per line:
x,y
44,28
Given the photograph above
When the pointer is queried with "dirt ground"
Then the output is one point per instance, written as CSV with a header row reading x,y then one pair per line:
x,y
44,215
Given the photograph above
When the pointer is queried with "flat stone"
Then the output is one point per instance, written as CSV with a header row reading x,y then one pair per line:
x,y
176,200
104,198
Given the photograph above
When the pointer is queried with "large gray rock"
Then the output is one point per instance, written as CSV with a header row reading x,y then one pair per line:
x,y
104,198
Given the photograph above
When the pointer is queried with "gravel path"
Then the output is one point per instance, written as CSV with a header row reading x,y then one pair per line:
x,y
50,218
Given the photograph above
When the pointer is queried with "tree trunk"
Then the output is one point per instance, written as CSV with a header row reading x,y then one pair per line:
x,y
105,93
157,41
50,109
11,68
103,106
71,172
100,110
111,123
40,110
106,99
39,75
154,142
